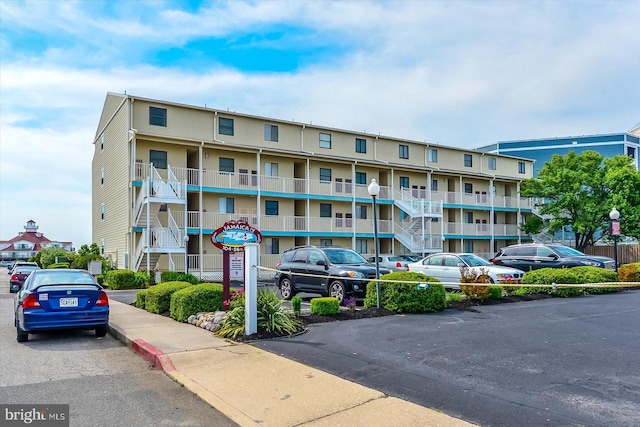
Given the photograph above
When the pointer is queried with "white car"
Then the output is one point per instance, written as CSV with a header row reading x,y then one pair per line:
x,y
446,268
392,262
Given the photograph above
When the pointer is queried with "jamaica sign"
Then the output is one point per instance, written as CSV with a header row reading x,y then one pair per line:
x,y
234,234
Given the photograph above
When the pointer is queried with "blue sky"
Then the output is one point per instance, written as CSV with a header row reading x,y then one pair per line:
x,y
451,72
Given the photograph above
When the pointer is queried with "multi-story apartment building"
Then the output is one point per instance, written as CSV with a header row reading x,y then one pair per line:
x,y
166,176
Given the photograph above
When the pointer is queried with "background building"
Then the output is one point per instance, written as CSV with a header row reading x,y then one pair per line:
x,y
165,176
541,150
28,243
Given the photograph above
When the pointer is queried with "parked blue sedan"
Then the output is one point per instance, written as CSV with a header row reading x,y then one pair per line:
x,y
60,299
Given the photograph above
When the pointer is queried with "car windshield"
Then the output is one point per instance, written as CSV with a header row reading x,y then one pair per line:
x,y
566,251
344,256
474,260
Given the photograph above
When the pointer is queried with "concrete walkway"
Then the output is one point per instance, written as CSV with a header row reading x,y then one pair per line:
x,y
254,387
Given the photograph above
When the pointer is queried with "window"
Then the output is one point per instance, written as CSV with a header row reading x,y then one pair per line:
x,y
325,210
468,246
102,212
102,176
158,158
225,126
163,207
102,142
434,185
469,218
468,160
226,165
271,133
361,246
404,182
433,155
271,169
227,205
631,152
272,245
325,174
361,145
326,242
361,178
521,167
325,140
404,151
468,188
158,116
492,163
361,212
271,207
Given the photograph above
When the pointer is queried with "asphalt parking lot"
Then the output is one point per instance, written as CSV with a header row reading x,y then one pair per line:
x,y
552,362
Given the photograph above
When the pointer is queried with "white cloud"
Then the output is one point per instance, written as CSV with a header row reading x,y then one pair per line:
x,y
456,73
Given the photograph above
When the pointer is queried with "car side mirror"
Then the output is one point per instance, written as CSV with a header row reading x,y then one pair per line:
x,y
460,264
553,256
321,262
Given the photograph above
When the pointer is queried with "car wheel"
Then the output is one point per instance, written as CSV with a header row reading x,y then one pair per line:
x,y
101,331
21,336
337,290
286,289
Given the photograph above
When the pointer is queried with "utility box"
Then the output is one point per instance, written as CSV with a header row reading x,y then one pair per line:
x,y
95,267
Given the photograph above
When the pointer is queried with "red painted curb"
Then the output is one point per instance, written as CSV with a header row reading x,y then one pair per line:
x,y
153,355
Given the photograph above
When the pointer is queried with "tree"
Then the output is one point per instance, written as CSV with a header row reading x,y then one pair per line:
x,y
580,191
86,254
48,256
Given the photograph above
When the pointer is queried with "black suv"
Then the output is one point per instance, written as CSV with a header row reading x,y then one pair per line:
x,y
532,256
329,271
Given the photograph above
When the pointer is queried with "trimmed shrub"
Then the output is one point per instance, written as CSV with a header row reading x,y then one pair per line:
x,y
549,276
59,265
177,276
120,279
195,299
273,317
629,272
495,292
326,306
296,304
588,274
140,300
411,297
141,279
159,297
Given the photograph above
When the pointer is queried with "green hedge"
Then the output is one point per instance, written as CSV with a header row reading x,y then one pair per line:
x,y
141,298
120,279
629,272
204,297
59,265
177,276
158,298
402,297
575,275
326,306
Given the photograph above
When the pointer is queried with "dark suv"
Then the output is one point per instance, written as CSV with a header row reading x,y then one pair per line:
x,y
329,271
532,256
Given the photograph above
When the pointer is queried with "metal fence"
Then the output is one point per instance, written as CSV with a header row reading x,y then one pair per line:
x,y
626,253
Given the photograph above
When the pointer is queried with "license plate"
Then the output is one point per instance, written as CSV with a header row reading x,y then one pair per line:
x,y
68,302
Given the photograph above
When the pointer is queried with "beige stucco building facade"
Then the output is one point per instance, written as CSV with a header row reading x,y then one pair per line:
x,y
165,176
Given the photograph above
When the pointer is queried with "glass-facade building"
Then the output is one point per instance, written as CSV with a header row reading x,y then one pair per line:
x,y
541,150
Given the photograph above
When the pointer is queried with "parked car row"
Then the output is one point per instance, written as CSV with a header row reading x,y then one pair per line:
x,y
307,268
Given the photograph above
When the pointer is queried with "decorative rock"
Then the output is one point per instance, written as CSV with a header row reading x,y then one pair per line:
x,y
191,319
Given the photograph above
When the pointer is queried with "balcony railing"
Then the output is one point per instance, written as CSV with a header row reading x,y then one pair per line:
x,y
287,185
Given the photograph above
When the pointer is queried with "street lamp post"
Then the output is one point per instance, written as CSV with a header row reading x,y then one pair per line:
x,y
615,232
374,191
186,253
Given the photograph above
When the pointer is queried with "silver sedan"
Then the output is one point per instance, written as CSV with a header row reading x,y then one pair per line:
x,y
391,262
448,267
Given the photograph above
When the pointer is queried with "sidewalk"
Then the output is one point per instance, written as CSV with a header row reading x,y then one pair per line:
x,y
256,388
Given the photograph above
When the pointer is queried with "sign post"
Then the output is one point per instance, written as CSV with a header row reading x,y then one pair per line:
x,y
251,288
231,238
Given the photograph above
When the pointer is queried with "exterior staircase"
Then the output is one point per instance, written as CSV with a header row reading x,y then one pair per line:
x,y
157,238
418,233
